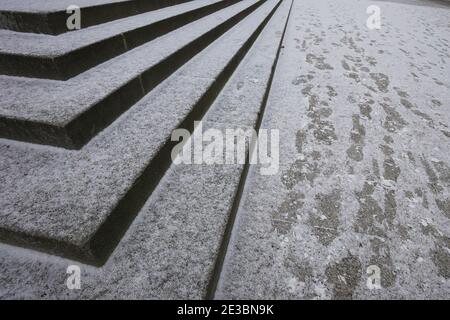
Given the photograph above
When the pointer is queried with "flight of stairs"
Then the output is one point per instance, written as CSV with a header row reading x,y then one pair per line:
x,y
86,118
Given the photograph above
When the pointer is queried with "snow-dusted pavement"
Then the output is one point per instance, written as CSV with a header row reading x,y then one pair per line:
x,y
360,205
365,164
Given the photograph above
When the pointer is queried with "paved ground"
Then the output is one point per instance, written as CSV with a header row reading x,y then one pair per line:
x,y
363,187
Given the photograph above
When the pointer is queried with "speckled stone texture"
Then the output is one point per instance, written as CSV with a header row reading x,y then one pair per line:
x,y
67,55
364,172
69,196
170,249
364,162
69,113
49,17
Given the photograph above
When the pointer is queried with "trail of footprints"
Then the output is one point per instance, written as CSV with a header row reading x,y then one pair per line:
x,y
377,114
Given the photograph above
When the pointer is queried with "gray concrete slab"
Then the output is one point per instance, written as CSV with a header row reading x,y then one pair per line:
x,y
64,56
70,197
43,16
49,5
362,189
364,163
170,249
69,113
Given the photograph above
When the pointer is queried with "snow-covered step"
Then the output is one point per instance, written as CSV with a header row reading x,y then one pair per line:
x,y
70,113
79,203
335,212
50,17
171,248
69,54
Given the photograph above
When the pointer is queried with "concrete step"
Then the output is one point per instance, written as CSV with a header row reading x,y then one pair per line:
x,y
336,209
67,55
50,17
363,180
170,249
78,204
68,114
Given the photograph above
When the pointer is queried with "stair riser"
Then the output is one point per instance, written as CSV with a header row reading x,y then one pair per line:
x,y
54,23
79,131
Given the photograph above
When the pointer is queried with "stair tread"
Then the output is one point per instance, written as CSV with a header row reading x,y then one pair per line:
x,y
49,17
49,5
42,45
